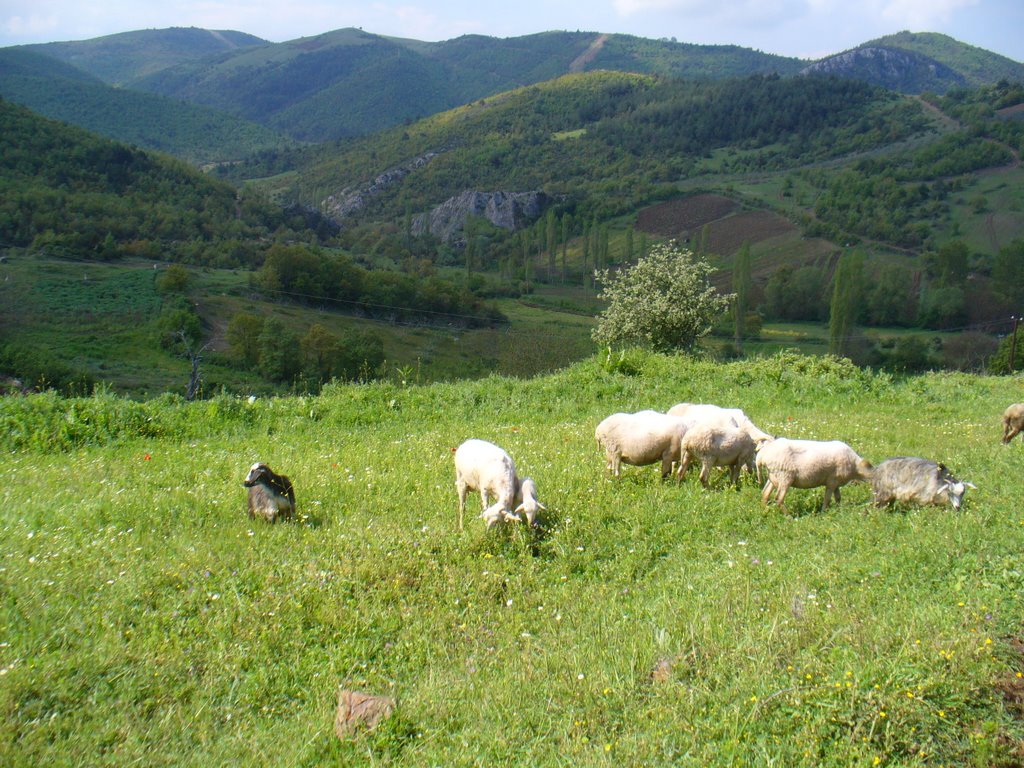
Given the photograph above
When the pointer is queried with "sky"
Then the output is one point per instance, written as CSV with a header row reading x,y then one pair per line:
x,y
808,29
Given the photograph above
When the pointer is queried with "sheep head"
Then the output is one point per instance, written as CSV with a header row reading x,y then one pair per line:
x,y
257,472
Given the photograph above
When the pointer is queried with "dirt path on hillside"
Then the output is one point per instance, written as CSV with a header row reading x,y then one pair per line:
x,y
581,61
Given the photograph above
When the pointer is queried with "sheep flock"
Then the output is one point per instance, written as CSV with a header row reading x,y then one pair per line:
x,y
688,433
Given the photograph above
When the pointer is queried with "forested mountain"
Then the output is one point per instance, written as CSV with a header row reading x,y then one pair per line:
x,y
975,65
63,92
66,191
920,62
126,56
607,141
348,82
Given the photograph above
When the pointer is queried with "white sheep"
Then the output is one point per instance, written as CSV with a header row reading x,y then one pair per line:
x,y
809,464
484,467
639,439
705,413
1013,422
717,445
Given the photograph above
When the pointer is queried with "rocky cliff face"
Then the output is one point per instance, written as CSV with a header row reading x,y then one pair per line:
x,y
350,201
508,210
892,68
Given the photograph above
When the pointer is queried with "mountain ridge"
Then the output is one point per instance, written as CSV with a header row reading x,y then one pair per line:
x,y
348,82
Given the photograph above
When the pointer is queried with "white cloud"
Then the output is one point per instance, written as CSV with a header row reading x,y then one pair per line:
x,y
922,14
741,13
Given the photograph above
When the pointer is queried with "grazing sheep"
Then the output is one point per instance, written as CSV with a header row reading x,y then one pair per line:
x,y
918,481
270,495
716,446
809,464
704,413
1013,422
641,438
484,467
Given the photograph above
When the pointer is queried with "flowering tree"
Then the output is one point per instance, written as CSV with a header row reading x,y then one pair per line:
x,y
664,302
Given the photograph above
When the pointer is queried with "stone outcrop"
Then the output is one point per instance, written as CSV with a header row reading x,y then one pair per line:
x,y
350,201
508,210
893,68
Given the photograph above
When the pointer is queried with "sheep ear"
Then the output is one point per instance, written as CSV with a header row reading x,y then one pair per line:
x,y
541,506
970,485
520,508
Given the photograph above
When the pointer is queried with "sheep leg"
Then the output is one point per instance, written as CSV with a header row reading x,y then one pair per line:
x,y
734,474
684,466
461,487
705,471
666,465
767,491
614,459
1009,433
780,497
828,496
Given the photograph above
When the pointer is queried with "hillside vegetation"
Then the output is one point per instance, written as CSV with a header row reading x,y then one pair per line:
x,y
147,619
67,191
121,58
195,133
606,140
348,82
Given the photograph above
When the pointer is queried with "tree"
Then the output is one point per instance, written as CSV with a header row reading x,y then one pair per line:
x,y
551,238
174,279
1008,272
243,336
847,300
890,300
950,265
1012,345
665,302
279,351
320,351
741,284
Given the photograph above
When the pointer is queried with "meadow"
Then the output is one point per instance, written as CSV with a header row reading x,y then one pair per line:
x,y
144,619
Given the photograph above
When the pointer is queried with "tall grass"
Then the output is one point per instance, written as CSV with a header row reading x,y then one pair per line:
x,y
145,619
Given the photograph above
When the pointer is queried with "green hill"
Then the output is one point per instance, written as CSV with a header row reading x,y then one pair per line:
x,y
118,59
70,191
63,92
975,65
563,136
919,63
349,82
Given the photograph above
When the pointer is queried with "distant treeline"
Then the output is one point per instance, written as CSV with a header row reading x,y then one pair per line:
x,y
310,276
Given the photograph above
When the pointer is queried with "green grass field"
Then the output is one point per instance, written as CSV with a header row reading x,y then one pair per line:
x,y
144,619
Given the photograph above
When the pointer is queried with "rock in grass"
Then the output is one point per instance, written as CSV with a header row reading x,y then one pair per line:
x,y
358,710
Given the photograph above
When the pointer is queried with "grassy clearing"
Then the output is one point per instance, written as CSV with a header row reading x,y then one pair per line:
x,y
145,619
98,317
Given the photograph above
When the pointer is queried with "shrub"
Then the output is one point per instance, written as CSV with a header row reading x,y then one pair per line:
x,y
663,303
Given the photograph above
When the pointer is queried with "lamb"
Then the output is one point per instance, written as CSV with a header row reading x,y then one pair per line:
x,y
484,467
270,495
717,446
809,464
1013,422
918,481
641,438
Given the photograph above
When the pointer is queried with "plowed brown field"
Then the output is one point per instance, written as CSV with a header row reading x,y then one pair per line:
x,y
684,214
727,229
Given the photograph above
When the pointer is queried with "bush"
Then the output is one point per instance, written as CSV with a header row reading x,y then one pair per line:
x,y
663,303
